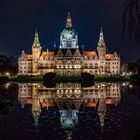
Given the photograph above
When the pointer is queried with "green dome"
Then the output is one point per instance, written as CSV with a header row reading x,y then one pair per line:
x,y
68,34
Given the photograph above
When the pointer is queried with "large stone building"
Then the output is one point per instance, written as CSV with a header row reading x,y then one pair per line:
x,y
69,59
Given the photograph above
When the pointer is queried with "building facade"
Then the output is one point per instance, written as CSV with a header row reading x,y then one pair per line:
x,y
69,59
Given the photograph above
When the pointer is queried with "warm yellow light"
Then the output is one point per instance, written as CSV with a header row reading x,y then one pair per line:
x,y
7,85
7,74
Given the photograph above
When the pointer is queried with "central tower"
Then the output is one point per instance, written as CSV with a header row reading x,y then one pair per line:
x,y
69,37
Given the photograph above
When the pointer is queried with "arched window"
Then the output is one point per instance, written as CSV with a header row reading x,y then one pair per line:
x,y
91,66
96,72
91,72
68,65
86,65
69,73
77,65
96,66
59,65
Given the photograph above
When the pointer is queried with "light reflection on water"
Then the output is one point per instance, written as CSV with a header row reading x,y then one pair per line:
x,y
70,111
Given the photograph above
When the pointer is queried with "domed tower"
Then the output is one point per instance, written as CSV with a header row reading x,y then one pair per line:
x,y
101,46
68,37
36,51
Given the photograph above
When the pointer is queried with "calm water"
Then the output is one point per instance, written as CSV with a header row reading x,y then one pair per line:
x,y
105,111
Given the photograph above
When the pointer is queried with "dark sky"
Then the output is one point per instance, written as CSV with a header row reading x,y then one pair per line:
x,y
19,19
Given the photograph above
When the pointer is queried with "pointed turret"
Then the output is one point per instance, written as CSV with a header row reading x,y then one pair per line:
x,y
101,46
101,42
47,50
102,112
23,53
36,115
36,38
36,48
54,45
69,21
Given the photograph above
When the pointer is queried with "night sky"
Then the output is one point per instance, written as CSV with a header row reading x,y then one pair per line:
x,y
20,18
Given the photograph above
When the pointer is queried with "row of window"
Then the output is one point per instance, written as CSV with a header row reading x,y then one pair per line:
x,y
86,64
25,63
112,63
112,67
68,58
24,72
28,68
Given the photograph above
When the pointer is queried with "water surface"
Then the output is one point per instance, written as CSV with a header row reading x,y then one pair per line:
x,y
32,111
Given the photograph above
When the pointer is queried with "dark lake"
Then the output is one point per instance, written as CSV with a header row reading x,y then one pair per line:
x,y
68,111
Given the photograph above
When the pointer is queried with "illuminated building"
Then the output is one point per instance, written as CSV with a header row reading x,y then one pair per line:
x,y
69,58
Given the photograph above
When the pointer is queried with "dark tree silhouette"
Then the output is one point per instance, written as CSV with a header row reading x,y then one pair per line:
x,y
131,19
8,64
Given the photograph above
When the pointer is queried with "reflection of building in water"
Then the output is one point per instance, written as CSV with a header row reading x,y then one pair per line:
x,y
68,118
35,95
99,96
68,98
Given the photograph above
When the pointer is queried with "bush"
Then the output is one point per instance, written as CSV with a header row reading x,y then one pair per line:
x,y
49,78
87,79
26,79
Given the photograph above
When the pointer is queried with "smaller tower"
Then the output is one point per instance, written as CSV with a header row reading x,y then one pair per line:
x,y
102,112
54,45
36,51
36,107
101,46
36,48
23,53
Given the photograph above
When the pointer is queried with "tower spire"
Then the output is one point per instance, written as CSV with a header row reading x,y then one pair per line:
x,y
68,21
101,29
101,38
36,38
47,50
54,45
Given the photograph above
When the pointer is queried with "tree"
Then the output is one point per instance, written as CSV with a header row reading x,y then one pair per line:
x,y
8,64
87,79
49,79
131,19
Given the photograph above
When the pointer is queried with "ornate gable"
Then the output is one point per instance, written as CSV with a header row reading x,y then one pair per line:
x,y
115,56
77,53
68,53
59,53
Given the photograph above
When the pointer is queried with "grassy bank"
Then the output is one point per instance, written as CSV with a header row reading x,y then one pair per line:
x,y
40,79
112,79
25,79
